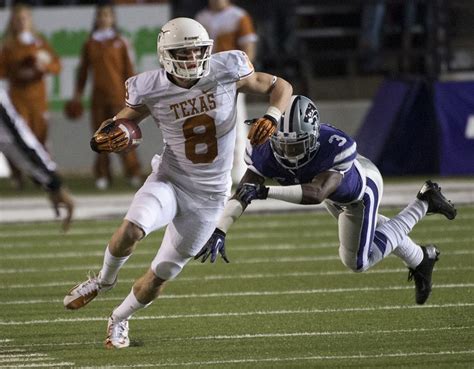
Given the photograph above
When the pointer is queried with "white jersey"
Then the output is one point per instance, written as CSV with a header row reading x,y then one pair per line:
x,y
197,124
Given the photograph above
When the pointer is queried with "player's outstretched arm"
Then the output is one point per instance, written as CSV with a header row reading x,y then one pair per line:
x,y
315,192
321,187
232,211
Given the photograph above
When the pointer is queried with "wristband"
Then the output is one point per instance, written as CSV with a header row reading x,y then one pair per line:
x,y
232,211
274,112
293,194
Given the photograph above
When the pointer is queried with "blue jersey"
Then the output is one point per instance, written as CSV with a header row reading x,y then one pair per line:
x,y
337,152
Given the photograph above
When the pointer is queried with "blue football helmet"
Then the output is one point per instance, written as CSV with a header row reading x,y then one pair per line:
x,y
295,142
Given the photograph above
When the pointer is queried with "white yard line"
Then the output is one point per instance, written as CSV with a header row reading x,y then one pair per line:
x,y
152,252
218,277
295,359
264,335
276,260
248,293
269,229
250,313
41,365
232,237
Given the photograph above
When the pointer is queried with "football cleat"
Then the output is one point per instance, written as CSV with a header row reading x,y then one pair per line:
x,y
422,273
437,203
83,293
117,334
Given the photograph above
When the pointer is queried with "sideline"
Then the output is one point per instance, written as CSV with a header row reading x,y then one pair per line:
x,y
103,206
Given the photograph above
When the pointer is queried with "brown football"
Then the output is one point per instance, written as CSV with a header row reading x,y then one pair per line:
x,y
132,131
73,109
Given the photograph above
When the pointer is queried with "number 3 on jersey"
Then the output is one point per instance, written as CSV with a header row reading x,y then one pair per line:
x,y
201,142
340,140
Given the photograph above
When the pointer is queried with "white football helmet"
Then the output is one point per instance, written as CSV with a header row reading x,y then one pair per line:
x,y
188,38
295,142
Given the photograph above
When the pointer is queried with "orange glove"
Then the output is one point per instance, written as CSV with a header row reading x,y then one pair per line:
x,y
109,138
262,129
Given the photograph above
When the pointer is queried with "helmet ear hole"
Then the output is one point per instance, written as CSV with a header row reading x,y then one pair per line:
x,y
184,33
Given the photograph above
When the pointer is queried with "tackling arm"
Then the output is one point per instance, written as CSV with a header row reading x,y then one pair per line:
x,y
232,211
323,185
311,193
236,206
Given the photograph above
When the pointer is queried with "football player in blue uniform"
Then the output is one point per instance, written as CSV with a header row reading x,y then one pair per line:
x,y
318,163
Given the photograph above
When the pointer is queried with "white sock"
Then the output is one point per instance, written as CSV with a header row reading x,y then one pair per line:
x,y
400,225
128,307
111,267
409,252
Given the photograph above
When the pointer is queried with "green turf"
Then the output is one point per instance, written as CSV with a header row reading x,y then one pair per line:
x,y
284,301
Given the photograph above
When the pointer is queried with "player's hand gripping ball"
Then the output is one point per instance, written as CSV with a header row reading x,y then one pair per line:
x,y
120,135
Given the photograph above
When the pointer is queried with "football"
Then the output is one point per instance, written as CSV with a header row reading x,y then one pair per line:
x,y
132,130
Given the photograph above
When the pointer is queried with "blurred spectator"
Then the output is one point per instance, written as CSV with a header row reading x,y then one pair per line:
x,y
275,25
231,28
370,41
186,8
25,59
106,53
377,16
20,146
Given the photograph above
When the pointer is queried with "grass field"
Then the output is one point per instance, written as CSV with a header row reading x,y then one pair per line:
x,y
284,301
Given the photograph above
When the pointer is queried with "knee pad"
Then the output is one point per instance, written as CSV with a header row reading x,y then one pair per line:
x,y
349,259
166,270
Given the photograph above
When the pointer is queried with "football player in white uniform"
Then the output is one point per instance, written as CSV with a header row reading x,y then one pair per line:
x,y
318,163
193,101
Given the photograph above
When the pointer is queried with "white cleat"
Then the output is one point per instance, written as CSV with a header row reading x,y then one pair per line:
x,y
117,334
83,293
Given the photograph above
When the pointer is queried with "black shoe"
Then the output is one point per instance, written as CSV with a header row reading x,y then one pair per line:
x,y
422,273
437,203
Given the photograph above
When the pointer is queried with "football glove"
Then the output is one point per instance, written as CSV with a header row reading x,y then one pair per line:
x,y
215,245
251,191
262,129
109,138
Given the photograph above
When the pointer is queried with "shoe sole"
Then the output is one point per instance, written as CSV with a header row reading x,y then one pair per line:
x,y
110,346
